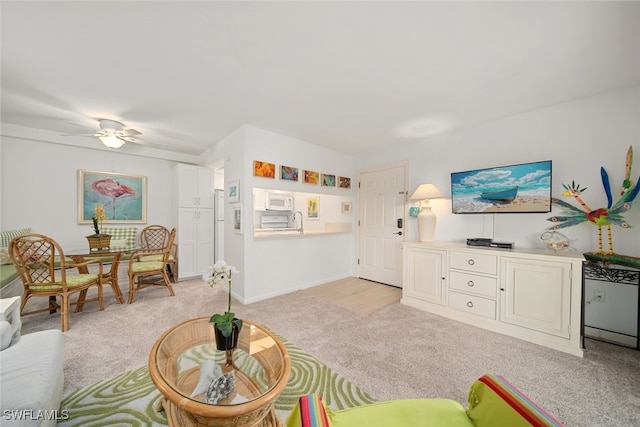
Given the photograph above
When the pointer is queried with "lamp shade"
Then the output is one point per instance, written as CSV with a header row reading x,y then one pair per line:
x,y
426,191
111,141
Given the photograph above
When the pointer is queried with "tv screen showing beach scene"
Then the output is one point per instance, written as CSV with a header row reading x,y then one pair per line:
x,y
522,188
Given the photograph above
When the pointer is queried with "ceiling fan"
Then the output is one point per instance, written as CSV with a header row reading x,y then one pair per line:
x,y
113,134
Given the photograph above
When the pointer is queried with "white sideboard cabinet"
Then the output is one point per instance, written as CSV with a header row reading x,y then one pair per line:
x,y
531,294
194,199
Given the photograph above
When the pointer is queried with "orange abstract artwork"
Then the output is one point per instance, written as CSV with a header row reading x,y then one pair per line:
x,y
264,169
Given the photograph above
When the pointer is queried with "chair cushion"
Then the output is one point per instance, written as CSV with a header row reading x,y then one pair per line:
x,y
8,236
155,258
126,235
73,280
494,401
138,267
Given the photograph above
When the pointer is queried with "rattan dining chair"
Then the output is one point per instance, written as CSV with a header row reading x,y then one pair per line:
x,y
42,266
139,268
156,237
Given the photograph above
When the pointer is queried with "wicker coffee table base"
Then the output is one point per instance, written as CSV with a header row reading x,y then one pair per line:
x,y
177,417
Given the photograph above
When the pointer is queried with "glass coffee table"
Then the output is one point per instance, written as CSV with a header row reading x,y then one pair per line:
x,y
260,364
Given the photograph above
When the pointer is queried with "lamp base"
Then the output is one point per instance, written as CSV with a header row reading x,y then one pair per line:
x,y
426,225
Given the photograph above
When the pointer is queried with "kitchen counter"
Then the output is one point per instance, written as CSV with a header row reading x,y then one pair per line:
x,y
330,228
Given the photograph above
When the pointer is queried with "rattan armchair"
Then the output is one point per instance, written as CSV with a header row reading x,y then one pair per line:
x,y
156,237
143,264
42,266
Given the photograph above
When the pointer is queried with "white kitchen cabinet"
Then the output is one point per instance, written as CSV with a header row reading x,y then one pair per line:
x,y
423,278
193,187
531,294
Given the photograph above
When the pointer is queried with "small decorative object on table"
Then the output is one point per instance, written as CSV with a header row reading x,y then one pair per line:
x,y
98,241
227,326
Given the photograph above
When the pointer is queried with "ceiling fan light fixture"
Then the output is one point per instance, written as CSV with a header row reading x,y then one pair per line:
x,y
111,141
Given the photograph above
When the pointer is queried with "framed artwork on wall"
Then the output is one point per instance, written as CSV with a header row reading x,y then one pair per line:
x,y
288,173
344,182
122,196
313,208
264,169
328,180
311,177
237,219
233,191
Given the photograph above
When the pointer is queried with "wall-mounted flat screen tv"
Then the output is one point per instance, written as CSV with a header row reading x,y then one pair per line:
x,y
522,188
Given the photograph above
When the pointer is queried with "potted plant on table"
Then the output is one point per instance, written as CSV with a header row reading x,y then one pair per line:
x,y
98,241
226,326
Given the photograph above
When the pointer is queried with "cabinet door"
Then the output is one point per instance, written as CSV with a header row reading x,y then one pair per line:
x,y
206,230
187,184
423,277
187,242
205,188
536,295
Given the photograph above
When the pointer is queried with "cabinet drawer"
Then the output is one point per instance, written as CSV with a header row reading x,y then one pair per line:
x,y
474,262
479,285
474,305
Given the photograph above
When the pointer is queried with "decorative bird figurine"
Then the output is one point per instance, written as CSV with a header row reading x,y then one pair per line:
x,y
600,217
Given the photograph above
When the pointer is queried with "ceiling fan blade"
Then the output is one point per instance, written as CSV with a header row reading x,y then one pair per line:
x,y
130,132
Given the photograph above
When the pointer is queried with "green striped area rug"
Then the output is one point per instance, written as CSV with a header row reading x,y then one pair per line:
x,y
131,398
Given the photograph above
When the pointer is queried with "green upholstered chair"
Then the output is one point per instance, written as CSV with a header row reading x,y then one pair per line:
x,y
139,269
42,267
492,402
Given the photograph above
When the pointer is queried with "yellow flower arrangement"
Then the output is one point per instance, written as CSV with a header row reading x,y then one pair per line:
x,y
98,218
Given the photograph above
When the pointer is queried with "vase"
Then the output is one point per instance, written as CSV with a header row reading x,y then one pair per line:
x,y
226,343
99,242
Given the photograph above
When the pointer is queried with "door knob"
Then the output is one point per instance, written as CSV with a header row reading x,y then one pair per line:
x,y
399,233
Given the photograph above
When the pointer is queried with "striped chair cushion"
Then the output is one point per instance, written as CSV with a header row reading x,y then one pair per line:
x,y
8,236
123,237
493,401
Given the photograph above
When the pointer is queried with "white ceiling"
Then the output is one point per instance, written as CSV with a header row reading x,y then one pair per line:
x,y
350,76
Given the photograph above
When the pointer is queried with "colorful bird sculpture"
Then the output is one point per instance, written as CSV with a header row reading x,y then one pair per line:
x,y
600,217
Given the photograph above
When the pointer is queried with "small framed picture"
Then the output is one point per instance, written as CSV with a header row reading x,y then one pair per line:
x,y
311,177
233,191
264,169
328,180
344,182
237,219
288,173
313,208
346,208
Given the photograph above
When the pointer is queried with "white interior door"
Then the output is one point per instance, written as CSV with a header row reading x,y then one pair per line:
x,y
381,218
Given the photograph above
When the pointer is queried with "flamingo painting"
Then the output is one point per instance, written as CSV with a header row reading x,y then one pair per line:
x,y
600,217
111,188
122,195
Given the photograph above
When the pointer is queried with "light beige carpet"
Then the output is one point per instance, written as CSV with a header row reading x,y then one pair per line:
x,y
395,352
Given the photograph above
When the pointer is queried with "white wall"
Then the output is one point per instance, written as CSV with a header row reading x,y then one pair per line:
x,y
39,187
277,266
579,137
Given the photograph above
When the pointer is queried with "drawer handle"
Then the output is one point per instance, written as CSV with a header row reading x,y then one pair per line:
x,y
470,283
471,262
470,304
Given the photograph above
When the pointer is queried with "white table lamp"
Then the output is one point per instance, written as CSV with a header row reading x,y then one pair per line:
x,y
426,218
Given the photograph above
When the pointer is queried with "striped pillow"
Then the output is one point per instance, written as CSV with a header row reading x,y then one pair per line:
x,y
8,236
309,412
494,401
